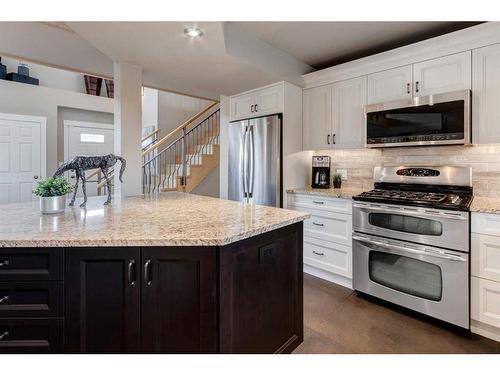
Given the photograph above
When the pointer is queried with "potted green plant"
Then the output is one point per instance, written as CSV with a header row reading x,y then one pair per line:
x,y
52,193
337,180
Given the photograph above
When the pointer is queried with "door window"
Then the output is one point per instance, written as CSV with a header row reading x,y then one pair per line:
x,y
407,224
407,275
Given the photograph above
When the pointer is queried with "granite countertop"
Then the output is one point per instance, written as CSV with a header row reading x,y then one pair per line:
x,y
170,219
347,193
486,205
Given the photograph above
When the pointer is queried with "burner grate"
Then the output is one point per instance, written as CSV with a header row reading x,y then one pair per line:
x,y
419,196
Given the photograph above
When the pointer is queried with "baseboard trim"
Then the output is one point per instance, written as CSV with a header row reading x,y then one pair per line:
x,y
328,276
485,330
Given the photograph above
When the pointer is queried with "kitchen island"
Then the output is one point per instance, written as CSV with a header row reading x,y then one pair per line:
x,y
175,273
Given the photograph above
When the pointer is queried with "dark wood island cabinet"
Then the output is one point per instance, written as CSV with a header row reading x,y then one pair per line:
x,y
243,297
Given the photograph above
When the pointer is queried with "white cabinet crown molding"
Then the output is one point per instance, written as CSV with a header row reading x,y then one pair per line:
x,y
463,40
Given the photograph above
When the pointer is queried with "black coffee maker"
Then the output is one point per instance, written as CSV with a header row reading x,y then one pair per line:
x,y
321,172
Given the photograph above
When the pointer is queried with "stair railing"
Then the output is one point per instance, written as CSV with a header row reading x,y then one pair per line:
x,y
166,163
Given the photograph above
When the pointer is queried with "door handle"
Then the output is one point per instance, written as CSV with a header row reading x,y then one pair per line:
x,y
318,224
333,138
4,336
319,202
408,88
148,275
4,263
245,163
320,254
4,299
252,164
251,108
416,87
328,139
132,274
255,107
35,177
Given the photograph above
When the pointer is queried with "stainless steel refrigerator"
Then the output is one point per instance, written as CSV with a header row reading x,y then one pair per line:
x,y
255,161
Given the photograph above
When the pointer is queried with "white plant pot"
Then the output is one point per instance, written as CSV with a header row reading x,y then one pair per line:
x,y
52,205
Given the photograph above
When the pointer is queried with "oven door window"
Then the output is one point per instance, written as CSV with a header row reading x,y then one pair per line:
x,y
406,224
407,275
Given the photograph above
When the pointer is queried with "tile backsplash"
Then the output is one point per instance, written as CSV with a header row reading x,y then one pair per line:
x,y
359,163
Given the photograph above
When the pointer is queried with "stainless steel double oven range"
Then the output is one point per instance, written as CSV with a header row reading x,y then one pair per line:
x,y
411,240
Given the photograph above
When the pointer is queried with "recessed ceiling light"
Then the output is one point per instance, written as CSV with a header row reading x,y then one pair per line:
x,y
193,32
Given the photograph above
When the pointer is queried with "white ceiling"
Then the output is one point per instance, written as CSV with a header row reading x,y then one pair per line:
x,y
322,44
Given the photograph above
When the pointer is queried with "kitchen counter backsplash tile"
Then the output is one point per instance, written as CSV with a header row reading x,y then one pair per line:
x,y
486,205
171,219
359,163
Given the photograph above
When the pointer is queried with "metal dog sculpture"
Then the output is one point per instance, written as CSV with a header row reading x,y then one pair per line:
x,y
80,164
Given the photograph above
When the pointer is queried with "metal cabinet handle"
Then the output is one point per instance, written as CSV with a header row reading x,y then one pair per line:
x,y
318,224
4,263
408,88
328,139
333,138
132,274
321,254
35,177
148,276
251,108
416,87
255,107
4,336
4,299
319,202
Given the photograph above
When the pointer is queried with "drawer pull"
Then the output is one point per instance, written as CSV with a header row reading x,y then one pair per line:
x,y
321,254
4,299
319,202
4,336
318,224
4,263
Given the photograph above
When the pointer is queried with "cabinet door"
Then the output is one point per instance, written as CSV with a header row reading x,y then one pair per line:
x,y
269,101
261,293
486,94
179,310
392,84
349,100
103,300
317,118
485,301
242,106
444,74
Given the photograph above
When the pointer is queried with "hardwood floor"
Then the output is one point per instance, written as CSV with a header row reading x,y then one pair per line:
x,y
338,320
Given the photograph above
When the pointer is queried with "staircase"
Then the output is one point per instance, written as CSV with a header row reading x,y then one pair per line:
x,y
182,159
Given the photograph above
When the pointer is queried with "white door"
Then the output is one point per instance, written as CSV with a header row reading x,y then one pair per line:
x,y
392,84
444,74
88,140
21,158
317,118
242,106
269,101
349,100
486,94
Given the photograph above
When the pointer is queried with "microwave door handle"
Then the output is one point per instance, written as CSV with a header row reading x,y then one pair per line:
x,y
407,249
415,213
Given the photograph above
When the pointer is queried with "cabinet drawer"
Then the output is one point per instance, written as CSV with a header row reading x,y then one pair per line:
x,y
305,202
485,301
31,335
485,256
331,257
31,299
485,224
24,264
334,228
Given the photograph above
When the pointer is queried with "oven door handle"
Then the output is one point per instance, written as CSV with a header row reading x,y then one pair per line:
x,y
435,254
412,212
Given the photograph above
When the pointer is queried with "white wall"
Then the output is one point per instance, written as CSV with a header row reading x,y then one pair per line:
x,y
149,108
210,185
52,77
174,109
42,101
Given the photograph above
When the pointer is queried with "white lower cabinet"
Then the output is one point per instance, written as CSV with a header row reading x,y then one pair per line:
x,y
485,275
327,236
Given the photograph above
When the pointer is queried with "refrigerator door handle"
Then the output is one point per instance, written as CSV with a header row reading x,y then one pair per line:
x,y
252,163
245,163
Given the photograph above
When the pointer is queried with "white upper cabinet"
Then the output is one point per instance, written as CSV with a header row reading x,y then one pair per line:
x,y
444,74
317,118
262,102
349,100
486,94
392,84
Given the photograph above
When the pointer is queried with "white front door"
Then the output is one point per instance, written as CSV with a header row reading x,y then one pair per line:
x,y
21,158
87,139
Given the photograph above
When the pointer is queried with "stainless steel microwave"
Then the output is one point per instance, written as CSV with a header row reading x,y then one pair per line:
x,y
440,119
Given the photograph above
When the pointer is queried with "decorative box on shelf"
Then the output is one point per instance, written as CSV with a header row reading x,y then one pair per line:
x,y
21,78
3,70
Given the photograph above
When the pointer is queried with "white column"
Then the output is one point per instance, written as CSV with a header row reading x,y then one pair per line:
x,y
128,126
